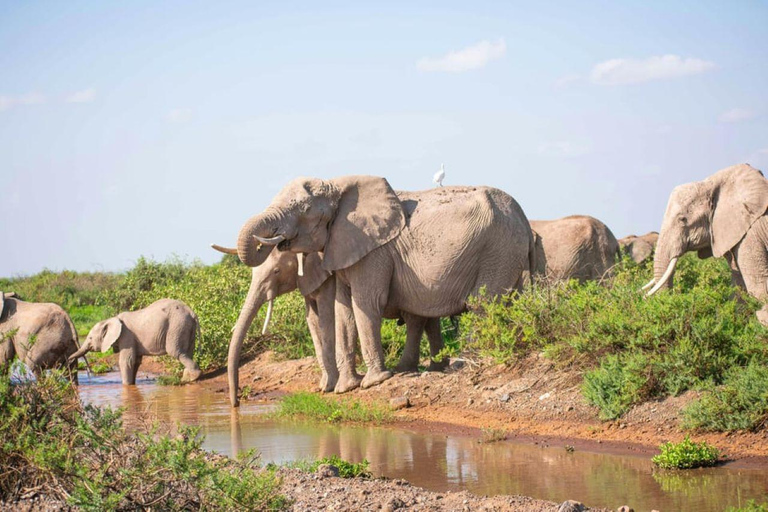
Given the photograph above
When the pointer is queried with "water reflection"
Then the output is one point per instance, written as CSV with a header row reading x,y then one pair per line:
x,y
435,461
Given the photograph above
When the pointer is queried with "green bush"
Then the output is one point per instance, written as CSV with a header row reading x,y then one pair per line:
x,y
55,447
331,410
346,469
686,454
741,403
751,506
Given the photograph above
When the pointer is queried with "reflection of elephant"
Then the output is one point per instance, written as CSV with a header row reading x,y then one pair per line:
x,y
164,327
41,335
723,215
639,248
279,274
423,256
575,247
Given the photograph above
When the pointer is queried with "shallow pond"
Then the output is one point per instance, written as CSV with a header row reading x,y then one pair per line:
x,y
433,461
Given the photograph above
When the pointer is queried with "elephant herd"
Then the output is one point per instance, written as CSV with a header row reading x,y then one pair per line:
x,y
360,252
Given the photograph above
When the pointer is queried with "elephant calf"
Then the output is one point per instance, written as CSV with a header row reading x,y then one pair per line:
x,y
164,327
639,248
41,335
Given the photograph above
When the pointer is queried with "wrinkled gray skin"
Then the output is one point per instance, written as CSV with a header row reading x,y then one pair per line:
x,y
639,248
41,335
164,327
279,275
723,215
423,257
576,247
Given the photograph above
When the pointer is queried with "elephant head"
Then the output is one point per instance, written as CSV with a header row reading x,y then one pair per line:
x,y
639,248
709,216
102,337
277,275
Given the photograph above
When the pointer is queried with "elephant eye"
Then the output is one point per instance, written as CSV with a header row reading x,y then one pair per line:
x,y
683,220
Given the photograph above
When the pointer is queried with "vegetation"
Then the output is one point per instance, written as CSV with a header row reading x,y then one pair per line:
x,y
750,506
53,446
313,406
346,469
686,454
493,435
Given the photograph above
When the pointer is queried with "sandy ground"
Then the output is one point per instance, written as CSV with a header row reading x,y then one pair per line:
x,y
533,400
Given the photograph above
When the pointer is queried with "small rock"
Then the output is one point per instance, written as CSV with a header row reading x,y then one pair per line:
x,y
626,508
470,401
425,374
545,396
504,397
327,471
392,504
571,506
400,402
569,408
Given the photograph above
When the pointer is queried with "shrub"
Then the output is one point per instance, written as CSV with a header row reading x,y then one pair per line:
x,y
54,446
346,469
686,454
750,506
331,410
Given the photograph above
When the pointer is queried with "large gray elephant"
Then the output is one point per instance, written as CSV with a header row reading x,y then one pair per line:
x,y
41,335
576,247
280,274
423,256
723,215
166,326
639,248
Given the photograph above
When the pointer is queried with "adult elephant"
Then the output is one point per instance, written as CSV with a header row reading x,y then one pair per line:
x,y
41,335
639,248
166,326
280,274
576,247
423,256
723,215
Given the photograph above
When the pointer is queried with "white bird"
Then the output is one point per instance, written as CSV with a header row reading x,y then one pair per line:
x,y
439,176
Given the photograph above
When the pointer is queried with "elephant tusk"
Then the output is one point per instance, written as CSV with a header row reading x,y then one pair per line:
x,y
300,256
267,318
270,241
225,250
664,278
650,283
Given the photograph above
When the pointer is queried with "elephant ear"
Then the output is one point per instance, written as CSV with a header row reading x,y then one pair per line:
x,y
539,258
111,333
368,216
740,198
314,274
2,303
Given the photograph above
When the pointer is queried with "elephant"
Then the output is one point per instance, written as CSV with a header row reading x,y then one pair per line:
x,y
280,274
722,215
421,254
41,335
639,248
576,247
166,326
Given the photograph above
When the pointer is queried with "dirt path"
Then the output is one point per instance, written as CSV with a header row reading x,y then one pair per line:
x,y
533,400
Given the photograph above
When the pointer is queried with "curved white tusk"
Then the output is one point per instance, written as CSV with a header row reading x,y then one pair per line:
x,y
300,256
267,318
664,278
270,241
650,283
225,250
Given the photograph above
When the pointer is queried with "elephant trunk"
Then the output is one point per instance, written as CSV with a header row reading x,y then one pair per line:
x,y
84,349
263,225
253,302
664,265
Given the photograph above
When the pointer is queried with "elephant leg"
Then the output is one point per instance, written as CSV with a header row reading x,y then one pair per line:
x,y
752,263
7,354
346,337
409,361
128,361
191,370
436,344
326,335
368,320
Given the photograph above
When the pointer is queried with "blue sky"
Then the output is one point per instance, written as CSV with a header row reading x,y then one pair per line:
x,y
147,128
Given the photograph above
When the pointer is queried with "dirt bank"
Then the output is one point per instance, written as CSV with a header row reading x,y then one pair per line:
x,y
533,400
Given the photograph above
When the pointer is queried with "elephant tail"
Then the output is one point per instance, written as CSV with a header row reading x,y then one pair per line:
x,y
532,258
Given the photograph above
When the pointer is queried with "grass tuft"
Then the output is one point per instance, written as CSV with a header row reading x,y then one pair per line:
x,y
316,407
686,454
346,469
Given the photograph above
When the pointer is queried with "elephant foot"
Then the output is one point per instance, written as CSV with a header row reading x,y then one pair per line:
x,y
406,367
190,375
328,382
438,366
347,383
375,377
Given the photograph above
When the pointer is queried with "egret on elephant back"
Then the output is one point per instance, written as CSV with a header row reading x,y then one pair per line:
x,y
423,254
722,215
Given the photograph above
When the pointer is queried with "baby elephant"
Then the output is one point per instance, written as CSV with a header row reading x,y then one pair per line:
x,y
40,335
164,327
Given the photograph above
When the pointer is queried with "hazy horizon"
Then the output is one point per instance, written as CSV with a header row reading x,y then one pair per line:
x,y
155,129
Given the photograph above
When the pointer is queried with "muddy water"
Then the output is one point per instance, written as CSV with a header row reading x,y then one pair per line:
x,y
435,462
